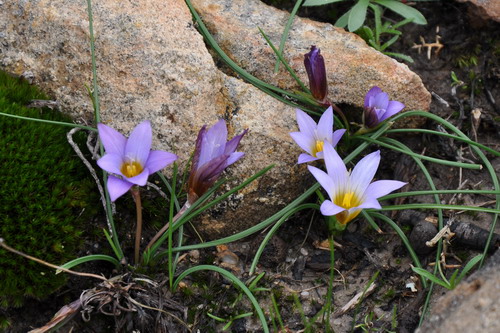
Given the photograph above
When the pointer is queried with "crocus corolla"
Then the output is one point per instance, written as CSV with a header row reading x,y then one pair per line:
x,y
211,156
312,136
350,192
378,107
130,161
315,68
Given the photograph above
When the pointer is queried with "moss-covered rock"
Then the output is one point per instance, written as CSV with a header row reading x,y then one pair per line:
x,y
44,189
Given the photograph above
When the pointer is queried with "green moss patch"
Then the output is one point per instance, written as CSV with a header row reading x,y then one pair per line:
x,y
43,192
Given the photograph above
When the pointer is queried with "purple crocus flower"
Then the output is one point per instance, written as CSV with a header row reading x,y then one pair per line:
x,y
132,159
312,136
350,192
378,107
211,156
315,68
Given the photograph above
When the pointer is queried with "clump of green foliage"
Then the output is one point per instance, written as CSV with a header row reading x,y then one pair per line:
x,y
43,192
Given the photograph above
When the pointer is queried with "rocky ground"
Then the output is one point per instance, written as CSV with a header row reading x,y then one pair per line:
x,y
297,260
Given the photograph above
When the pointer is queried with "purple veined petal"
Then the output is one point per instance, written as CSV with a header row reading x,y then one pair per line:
x,y
234,157
364,171
213,142
139,143
304,141
141,179
232,144
370,203
304,158
337,135
113,141
380,188
335,166
159,159
371,93
325,126
117,187
328,208
111,163
380,101
306,124
197,150
212,168
392,108
323,178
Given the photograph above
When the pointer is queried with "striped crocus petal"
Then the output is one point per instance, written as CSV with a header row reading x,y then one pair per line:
x,y
312,136
351,192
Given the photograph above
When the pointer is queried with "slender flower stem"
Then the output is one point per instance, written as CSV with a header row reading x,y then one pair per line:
x,y
329,295
340,113
165,227
138,230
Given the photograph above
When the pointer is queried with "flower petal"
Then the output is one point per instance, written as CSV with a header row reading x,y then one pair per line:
x,y
212,169
197,150
328,208
117,187
364,172
337,135
380,188
304,158
380,101
112,140
304,140
370,203
323,178
392,108
335,166
213,142
371,93
111,163
141,179
306,124
325,126
139,143
234,157
159,159
232,144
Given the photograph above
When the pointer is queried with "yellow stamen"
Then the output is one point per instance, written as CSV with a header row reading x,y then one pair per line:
x,y
348,198
131,169
318,147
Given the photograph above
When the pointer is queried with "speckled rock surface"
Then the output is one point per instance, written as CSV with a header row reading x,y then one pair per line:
x,y
485,9
352,67
473,306
153,64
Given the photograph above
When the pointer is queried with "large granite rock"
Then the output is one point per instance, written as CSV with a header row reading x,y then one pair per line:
x,y
473,306
153,64
485,9
352,67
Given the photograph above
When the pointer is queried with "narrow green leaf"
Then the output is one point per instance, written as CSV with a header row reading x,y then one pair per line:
x,y
342,21
403,10
357,15
431,277
309,3
284,36
469,266
92,257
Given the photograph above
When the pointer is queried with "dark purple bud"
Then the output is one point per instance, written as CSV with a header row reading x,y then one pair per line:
x,y
315,67
370,117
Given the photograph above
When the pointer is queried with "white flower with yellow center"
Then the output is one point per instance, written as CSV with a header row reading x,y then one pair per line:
x,y
350,192
312,136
